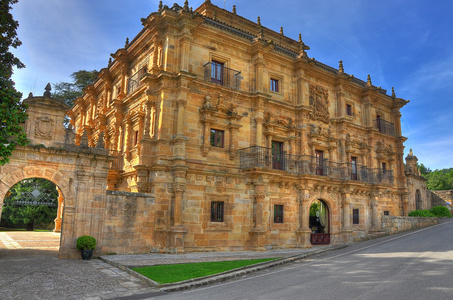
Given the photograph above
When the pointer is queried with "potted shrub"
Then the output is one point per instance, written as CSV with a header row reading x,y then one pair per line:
x,y
86,244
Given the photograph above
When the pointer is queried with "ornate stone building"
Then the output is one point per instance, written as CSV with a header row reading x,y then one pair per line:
x,y
244,140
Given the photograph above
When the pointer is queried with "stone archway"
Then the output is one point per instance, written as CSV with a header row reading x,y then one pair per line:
x,y
63,183
319,222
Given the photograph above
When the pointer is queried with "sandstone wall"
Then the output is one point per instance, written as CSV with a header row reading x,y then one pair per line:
x,y
394,224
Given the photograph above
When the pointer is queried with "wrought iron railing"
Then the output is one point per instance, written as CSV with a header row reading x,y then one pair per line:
x,y
385,127
134,81
218,74
266,158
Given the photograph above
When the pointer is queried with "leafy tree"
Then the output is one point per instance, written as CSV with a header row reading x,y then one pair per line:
x,y
70,91
424,170
35,192
438,179
12,110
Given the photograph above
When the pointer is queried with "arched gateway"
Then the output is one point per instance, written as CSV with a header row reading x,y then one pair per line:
x,y
79,172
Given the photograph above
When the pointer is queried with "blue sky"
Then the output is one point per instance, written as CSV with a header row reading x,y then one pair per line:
x,y
403,44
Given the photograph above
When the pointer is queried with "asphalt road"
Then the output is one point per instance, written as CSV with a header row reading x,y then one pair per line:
x,y
413,265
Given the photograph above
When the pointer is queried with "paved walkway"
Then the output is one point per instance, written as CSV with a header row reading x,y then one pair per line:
x,y
30,269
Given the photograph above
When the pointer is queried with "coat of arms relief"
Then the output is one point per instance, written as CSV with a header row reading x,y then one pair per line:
x,y
44,127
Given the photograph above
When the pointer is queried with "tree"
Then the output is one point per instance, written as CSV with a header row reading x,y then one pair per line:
x,y
438,179
12,110
30,202
70,91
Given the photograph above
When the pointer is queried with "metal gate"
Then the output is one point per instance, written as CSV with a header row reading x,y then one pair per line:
x,y
33,191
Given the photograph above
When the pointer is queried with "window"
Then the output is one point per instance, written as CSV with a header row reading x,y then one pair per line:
x,y
353,168
319,162
217,137
355,216
278,213
217,72
217,208
384,168
386,213
274,85
349,109
135,138
277,155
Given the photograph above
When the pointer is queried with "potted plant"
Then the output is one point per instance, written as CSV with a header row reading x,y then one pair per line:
x,y
86,244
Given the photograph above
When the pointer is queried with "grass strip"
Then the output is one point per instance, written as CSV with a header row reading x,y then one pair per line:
x,y
180,272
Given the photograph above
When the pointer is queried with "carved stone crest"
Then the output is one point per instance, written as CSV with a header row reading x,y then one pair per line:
x,y
44,127
320,103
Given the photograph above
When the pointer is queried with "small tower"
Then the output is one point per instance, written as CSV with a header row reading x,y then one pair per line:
x,y
411,164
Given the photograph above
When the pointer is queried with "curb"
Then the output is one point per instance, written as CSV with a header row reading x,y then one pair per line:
x,y
211,279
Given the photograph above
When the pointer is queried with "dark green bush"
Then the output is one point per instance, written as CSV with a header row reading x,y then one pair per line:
x,y
86,242
421,213
440,211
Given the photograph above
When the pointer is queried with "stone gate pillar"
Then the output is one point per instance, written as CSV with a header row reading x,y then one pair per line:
x,y
304,231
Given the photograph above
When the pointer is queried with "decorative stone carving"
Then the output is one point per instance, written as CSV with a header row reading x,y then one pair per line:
x,y
44,127
320,103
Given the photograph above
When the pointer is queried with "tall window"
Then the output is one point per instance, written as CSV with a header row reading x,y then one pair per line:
x,y
355,216
353,168
217,69
135,138
277,155
384,168
278,213
217,138
217,209
274,85
349,109
319,162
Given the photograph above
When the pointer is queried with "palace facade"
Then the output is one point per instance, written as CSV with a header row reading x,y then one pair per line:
x,y
244,140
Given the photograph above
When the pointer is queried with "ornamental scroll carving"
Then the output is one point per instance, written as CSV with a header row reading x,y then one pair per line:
x,y
44,127
319,101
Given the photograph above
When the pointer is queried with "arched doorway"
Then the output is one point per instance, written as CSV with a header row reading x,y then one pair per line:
x,y
418,200
31,215
319,223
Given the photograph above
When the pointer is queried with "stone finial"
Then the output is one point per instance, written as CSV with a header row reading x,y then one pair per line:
x,y
368,80
281,30
234,9
110,61
161,6
186,5
100,142
411,153
340,67
126,43
48,89
394,96
207,1
84,139
30,95
258,21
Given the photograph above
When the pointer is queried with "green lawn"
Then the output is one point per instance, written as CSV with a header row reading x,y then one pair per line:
x,y
22,229
180,272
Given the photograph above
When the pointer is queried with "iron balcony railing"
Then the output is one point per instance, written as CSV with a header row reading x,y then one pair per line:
x,y
385,127
218,74
266,158
134,82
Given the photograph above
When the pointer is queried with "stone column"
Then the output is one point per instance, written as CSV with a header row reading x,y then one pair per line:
x,y
181,103
259,128
185,53
304,231
59,212
258,233
346,226
375,220
177,231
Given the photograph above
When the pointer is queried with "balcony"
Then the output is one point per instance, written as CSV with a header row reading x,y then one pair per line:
x,y
385,127
134,81
264,158
215,72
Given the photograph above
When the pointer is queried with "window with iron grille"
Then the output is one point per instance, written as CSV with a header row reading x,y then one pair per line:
x,y
355,216
386,213
217,210
217,138
278,213
274,85
349,109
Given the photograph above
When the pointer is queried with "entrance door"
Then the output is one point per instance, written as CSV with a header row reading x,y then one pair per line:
x,y
319,223
277,155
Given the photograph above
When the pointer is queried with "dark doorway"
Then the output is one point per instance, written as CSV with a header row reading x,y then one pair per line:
x,y
319,223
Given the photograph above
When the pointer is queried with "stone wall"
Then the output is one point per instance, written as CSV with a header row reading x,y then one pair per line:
x,y
395,224
444,198
129,223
